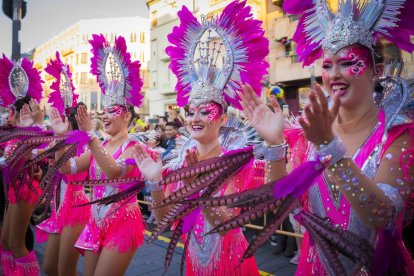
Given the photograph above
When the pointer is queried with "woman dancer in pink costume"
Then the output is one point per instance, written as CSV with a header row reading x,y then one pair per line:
x,y
114,232
67,219
20,89
208,97
366,149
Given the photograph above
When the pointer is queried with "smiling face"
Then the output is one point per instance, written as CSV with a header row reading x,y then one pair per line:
x,y
116,119
350,73
204,121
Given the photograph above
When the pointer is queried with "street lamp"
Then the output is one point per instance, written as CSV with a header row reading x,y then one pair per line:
x,y
16,11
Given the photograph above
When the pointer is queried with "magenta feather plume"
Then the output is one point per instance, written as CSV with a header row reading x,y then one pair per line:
x,y
55,68
131,70
35,83
180,38
297,6
237,20
98,44
7,98
80,138
400,35
298,181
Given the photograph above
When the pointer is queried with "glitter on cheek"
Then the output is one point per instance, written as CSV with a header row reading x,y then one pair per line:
x,y
213,112
114,112
360,59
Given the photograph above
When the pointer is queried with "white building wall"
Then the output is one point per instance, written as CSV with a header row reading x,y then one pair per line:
x,y
74,48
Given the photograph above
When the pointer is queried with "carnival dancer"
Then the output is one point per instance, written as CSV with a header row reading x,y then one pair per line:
x,y
67,219
20,91
113,232
354,211
209,87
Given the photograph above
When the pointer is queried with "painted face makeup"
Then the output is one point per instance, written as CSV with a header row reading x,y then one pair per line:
x,y
356,60
210,111
115,111
353,60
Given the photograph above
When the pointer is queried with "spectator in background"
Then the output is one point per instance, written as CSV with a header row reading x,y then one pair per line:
x,y
276,94
139,125
173,118
162,121
170,133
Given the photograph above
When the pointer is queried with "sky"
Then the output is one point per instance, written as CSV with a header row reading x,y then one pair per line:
x,y
46,18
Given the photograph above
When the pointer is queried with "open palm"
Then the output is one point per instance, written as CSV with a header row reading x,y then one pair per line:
x,y
56,122
151,169
26,119
268,124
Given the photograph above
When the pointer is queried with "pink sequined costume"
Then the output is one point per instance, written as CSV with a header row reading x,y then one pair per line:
x,y
19,80
29,192
66,212
215,254
322,202
117,226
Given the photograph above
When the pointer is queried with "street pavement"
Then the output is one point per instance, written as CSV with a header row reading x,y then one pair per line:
x,y
149,259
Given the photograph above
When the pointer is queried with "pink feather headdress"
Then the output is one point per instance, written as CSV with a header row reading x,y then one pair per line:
x,y
118,77
17,80
63,96
203,73
356,22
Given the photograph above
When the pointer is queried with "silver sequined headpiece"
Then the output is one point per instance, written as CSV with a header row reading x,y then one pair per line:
x,y
213,61
355,22
212,58
115,77
18,81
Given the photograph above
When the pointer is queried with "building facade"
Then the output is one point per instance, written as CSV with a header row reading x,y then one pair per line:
x,y
75,50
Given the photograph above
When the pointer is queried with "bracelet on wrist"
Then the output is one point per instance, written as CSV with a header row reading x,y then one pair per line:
x,y
153,186
331,153
91,134
271,153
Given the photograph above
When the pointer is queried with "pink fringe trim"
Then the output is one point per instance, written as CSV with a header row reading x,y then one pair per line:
x,y
227,261
122,230
309,263
69,215
7,262
27,265
26,193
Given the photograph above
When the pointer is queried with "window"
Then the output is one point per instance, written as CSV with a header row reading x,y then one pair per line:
x,y
77,59
142,56
94,100
84,58
133,37
84,77
154,21
142,37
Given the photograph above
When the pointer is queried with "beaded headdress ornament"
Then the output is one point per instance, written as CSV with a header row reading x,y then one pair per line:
x,y
118,77
17,80
212,58
356,22
62,97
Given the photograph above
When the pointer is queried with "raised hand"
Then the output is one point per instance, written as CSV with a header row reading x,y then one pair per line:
x,y
151,169
84,119
36,112
56,122
26,119
317,125
269,125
